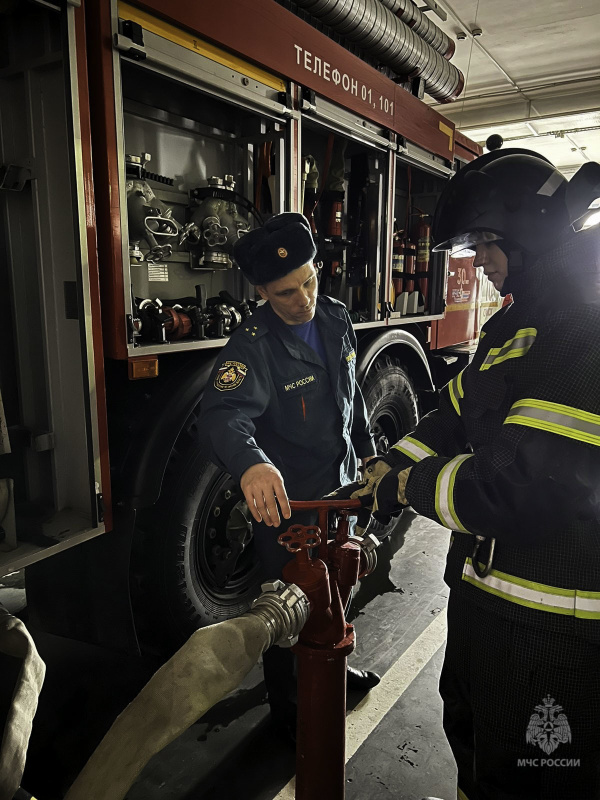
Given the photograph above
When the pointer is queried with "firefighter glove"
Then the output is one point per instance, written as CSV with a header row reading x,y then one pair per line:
x,y
381,489
363,489
390,492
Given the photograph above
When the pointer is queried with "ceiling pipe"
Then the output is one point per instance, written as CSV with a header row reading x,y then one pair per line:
x,y
557,134
513,91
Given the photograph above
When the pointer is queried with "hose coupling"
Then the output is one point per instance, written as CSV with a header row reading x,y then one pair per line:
x,y
284,609
368,545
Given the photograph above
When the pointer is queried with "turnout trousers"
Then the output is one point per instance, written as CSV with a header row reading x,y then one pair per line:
x,y
521,708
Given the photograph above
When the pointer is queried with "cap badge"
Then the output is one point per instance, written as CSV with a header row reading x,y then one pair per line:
x,y
282,252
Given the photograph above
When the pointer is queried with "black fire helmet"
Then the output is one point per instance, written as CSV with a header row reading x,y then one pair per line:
x,y
513,195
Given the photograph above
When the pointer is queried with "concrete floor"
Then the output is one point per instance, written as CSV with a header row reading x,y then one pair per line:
x,y
232,752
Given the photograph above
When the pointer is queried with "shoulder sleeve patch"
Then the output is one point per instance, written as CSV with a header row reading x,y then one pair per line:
x,y
230,375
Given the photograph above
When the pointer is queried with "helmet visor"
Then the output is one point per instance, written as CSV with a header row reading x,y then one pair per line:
x,y
463,245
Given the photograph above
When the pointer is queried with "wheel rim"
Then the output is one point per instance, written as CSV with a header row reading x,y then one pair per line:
x,y
226,564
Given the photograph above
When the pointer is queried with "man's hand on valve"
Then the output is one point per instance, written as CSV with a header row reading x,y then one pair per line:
x,y
264,491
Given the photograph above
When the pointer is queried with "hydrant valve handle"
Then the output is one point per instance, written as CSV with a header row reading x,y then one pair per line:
x,y
300,537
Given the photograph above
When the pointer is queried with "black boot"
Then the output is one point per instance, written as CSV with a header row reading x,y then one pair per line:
x,y
280,681
284,719
360,679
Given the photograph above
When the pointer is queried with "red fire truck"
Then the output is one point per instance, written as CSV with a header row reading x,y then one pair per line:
x,y
137,143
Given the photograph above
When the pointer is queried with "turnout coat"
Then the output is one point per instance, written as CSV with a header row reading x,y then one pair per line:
x,y
513,452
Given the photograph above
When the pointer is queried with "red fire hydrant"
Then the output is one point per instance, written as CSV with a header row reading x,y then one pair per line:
x,y
324,642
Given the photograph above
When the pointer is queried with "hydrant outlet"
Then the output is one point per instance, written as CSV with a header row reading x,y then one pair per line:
x,y
368,546
284,608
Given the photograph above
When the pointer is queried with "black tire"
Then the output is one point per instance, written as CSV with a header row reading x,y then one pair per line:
x,y
194,560
391,402
393,412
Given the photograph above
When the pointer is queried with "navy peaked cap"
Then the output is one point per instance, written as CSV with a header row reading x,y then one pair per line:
x,y
283,244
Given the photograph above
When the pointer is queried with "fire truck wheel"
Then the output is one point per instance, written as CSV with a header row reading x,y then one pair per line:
x,y
200,565
391,402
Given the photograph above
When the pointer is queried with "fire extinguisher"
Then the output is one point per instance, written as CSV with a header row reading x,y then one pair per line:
x,y
423,255
397,266
410,255
334,224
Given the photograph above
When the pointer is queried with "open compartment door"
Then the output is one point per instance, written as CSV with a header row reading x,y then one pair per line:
x,y
50,355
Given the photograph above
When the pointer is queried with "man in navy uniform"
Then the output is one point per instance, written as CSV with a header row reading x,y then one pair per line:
x,y
283,410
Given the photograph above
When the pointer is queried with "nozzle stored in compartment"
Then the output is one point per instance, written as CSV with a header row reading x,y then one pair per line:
x,y
215,223
148,218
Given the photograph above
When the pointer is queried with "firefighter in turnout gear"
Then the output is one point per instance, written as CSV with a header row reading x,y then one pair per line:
x,y
510,463
284,411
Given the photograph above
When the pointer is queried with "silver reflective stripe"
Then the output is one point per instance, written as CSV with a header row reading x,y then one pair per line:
x,y
551,185
514,348
586,606
413,448
556,418
569,602
444,494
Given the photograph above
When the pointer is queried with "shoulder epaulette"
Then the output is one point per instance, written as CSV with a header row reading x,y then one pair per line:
x,y
326,299
250,330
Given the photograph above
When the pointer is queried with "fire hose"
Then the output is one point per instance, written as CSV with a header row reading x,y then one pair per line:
x,y
215,660
210,664
16,642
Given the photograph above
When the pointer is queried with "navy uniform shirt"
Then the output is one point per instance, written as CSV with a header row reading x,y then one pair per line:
x,y
272,399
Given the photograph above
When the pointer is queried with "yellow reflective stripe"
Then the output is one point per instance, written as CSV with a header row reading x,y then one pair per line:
x,y
456,391
444,494
460,795
513,348
539,596
573,423
513,353
413,448
453,397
